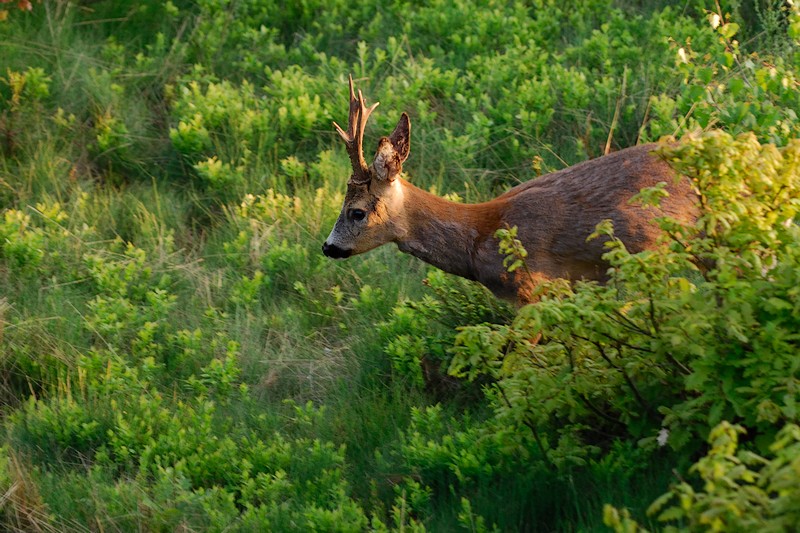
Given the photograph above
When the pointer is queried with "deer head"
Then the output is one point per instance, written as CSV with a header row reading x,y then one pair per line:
x,y
372,213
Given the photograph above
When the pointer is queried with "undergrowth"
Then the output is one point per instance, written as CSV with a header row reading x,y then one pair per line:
x,y
176,353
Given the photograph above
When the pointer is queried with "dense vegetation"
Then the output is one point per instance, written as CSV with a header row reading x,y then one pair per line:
x,y
177,354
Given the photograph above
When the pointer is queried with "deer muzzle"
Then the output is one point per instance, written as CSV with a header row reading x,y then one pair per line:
x,y
334,252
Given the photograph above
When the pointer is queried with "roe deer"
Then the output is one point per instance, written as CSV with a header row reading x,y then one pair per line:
x,y
554,213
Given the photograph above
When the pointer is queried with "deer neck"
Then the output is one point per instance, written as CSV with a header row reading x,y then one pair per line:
x,y
446,234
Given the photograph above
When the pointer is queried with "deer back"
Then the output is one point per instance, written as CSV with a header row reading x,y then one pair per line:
x,y
555,214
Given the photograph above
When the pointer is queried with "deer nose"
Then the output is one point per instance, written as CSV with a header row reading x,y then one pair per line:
x,y
334,252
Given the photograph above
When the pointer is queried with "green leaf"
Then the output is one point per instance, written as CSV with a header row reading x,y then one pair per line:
x,y
728,30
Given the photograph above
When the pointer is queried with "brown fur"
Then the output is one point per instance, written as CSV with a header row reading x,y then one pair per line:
x,y
554,215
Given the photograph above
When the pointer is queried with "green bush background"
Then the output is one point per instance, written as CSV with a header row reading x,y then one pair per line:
x,y
177,354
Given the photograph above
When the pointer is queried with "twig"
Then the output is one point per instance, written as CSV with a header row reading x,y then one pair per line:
x,y
616,111
625,375
530,426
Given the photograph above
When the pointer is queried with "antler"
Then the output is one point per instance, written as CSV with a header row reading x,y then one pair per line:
x,y
354,136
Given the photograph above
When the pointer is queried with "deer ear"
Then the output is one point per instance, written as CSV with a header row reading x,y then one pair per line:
x,y
401,137
393,151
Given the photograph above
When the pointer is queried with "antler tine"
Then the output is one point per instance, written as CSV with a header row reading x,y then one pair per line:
x,y
364,113
348,136
354,136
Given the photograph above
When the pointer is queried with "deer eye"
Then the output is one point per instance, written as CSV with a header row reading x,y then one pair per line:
x,y
357,214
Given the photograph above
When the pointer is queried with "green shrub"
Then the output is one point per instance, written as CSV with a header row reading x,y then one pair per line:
x,y
728,88
420,332
664,347
136,440
740,490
